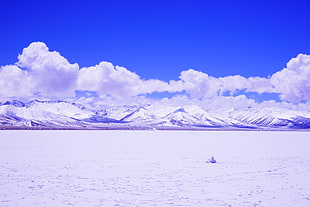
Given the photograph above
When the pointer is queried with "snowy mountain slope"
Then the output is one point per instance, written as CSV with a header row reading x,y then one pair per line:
x,y
271,117
42,113
117,112
66,114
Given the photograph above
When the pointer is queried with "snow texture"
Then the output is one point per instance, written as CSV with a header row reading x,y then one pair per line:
x,y
154,168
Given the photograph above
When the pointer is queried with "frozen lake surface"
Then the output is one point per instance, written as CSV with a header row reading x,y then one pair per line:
x,y
154,168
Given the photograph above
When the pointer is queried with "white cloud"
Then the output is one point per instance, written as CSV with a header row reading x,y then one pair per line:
x,y
233,83
116,81
14,82
31,53
226,104
40,71
51,73
154,85
260,85
199,84
109,80
293,82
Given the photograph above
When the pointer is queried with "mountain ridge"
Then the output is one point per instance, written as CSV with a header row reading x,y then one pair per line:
x,y
65,114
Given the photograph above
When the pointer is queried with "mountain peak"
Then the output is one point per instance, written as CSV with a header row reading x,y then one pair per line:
x,y
14,103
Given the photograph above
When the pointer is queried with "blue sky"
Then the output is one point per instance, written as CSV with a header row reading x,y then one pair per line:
x,y
159,39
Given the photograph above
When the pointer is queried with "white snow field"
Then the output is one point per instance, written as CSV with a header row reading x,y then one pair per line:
x,y
154,168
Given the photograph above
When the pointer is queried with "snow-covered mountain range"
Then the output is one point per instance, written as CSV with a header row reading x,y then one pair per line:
x,y
62,114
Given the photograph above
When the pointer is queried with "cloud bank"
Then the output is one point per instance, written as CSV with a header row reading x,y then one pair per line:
x,y
43,73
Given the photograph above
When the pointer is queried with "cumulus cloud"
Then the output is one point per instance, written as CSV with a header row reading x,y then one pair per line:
x,y
233,83
48,74
108,80
154,85
199,84
260,85
51,73
31,53
116,81
14,82
293,82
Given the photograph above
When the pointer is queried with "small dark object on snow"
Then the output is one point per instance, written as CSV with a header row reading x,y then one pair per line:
x,y
212,160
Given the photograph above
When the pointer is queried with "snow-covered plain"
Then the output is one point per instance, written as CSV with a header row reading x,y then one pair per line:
x,y
154,168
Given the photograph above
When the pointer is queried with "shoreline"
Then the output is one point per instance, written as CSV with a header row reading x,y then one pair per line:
x,y
137,128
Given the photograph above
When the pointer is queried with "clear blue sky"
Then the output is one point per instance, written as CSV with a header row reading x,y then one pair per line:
x,y
158,39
